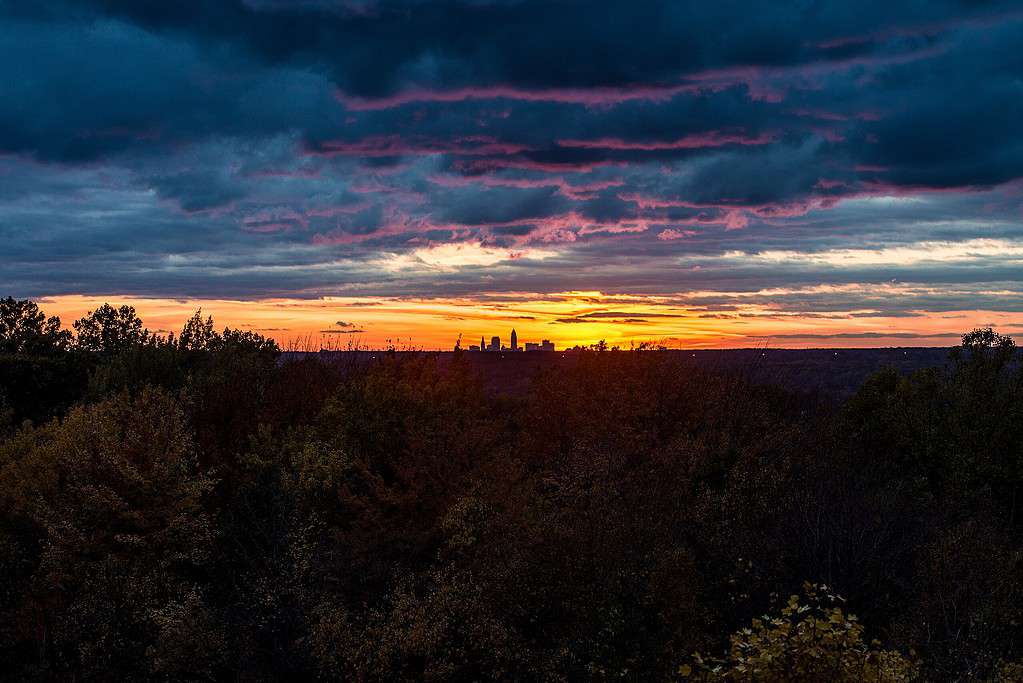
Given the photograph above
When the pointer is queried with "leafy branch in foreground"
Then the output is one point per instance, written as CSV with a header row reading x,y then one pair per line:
x,y
811,640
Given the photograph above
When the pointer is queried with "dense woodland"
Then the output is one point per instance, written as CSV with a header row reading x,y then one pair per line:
x,y
191,507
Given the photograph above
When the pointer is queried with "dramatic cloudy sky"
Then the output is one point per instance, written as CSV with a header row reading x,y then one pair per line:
x,y
712,173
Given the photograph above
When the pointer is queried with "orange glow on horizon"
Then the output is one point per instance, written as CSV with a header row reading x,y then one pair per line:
x,y
566,318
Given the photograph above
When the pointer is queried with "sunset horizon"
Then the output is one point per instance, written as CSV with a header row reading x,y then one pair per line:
x,y
430,325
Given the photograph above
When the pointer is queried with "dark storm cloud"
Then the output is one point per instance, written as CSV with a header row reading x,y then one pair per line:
x,y
473,206
377,48
80,91
254,148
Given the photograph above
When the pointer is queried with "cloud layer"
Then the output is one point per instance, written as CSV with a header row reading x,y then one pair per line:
x,y
766,158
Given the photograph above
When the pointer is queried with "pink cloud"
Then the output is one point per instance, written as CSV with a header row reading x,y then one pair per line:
x,y
274,220
332,211
762,83
375,186
825,115
673,234
647,202
583,96
874,188
621,228
733,215
565,188
735,219
521,163
396,145
568,227
266,228
693,141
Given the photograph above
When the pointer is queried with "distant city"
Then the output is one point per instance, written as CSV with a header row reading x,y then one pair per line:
x,y
513,346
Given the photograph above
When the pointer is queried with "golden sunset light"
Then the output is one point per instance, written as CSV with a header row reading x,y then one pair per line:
x,y
566,318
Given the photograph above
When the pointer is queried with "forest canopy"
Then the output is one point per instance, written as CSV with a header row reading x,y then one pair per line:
x,y
199,506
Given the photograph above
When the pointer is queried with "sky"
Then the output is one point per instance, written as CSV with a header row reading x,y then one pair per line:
x,y
698,174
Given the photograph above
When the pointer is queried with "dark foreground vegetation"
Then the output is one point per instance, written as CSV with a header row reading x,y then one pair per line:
x,y
192,508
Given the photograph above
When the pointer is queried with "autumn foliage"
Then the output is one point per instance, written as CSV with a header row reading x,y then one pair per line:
x,y
198,507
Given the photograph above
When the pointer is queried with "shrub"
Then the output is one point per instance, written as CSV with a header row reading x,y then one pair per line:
x,y
811,640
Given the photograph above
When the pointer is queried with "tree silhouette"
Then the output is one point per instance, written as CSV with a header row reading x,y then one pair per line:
x,y
110,330
198,334
25,329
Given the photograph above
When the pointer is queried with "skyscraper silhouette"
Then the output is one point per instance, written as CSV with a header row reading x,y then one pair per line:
x,y
514,341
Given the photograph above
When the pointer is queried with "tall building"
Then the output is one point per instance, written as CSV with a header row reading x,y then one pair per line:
x,y
483,344
546,345
495,344
514,341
